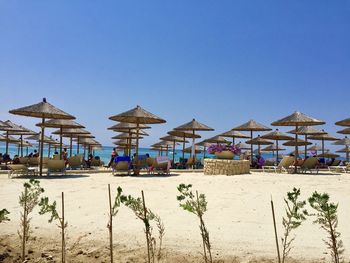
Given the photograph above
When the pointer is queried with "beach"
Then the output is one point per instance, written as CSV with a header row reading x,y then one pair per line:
x,y
238,218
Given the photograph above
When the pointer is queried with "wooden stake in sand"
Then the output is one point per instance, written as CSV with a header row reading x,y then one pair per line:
x,y
276,236
147,227
110,223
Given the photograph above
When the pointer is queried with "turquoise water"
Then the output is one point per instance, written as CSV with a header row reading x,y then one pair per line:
x,y
105,152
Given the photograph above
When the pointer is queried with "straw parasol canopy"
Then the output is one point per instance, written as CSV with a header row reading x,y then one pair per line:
x,y
252,126
184,135
272,148
259,141
345,150
216,139
298,142
277,135
345,122
3,125
70,132
162,145
297,119
204,144
193,126
323,137
328,155
61,124
138,116
197,149
345,141
124,127
43,110
9,139
344,131
11,128
174,140
243,146
127,136
234,134
123,143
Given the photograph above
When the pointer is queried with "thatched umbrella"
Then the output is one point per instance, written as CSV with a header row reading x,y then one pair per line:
x,y
345,122
174,140
322,138
297,119
345,150
243,146
272,148
166,145
78,137
307,131
193,126
23,132
70,132
345,141
37,137
137,116
277,135
252,126
183,135
197,149
234,134
43,110
60,124
91,143
216,139
205,145
11,128
259,141
127,136
328,155
294,143
9,139
344,131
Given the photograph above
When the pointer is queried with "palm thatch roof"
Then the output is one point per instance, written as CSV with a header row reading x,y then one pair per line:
x,y
193,126
197,149
60,123
126,136
277,135
71,131
183,134
299,142
42,110
234,134
216,139
272,148
170,138
137,115
297,118
259,141
345,122
344,131
252,125
344,141
307,130
124,126
344,150
323,137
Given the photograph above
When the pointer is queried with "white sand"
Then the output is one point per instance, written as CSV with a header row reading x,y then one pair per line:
x,y
238,218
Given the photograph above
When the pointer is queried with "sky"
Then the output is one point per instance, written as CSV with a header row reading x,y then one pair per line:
x,y
221,62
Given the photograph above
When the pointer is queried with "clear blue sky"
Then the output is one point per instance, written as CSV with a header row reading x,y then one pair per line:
x,y
222,62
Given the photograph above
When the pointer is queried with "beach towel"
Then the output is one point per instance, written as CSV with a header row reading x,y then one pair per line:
x,y
122,159
163,159
142,157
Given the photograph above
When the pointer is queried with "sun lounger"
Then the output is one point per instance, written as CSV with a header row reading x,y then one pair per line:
x,y
339,168
33,161
95,163
283,166
310,164
56,166
19,169
161,165
75,162
24,160
121,164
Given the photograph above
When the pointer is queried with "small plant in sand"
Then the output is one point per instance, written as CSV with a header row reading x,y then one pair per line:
x,y
197,205
3,215
28,200
113,211
46,207
326,217
295,215
138,206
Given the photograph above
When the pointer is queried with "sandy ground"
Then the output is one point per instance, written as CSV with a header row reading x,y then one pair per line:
x,y
238,217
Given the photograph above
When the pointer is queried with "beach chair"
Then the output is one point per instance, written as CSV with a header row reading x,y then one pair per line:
x,y
190,162
310,164
33,161
75,162
95,163
150,164
283,165
45,161
334,165
339,168
56,166
161,165
121,164
19,169
24,160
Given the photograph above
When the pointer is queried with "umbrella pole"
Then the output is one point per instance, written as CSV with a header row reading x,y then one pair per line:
x,y
174,153
61,142
204,152
296,150
27,151
277,152
251,148
84,151
183,148
347,153
7,142
18,149
48,152
305,154
137,142
21,145
70,146
129,140
42,146
167,150
233,141
323,147
259,149
78,145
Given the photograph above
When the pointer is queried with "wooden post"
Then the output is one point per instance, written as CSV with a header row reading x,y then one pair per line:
x,y
110,226
7,142
71,147
63,226
305,154
276,236
174,153
147,227
24,225
251,148
296,150
61,131
21,145
42,146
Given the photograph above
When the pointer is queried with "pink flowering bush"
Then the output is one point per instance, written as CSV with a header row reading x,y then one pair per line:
x,y
213,148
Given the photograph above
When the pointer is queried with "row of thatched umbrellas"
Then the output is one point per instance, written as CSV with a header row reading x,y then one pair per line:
x,y
134,121
51,117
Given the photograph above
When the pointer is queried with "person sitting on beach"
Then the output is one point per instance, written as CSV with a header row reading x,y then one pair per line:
x,y
113,155
64,154
6,158
15,160
1,158
260,162
36,154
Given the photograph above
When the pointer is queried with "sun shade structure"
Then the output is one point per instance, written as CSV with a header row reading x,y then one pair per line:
x,y
297,119
184,135
205,145
137,116
197,149
298,142
345,150
234,134
162,145
127,136
344,131
216,139
193,126
43,110
124,127
174,140
251,126
328,155
11,128
307,131
259,141
272,148
345,122
323,137
277,135
243,146
60,124
70,133
345,141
